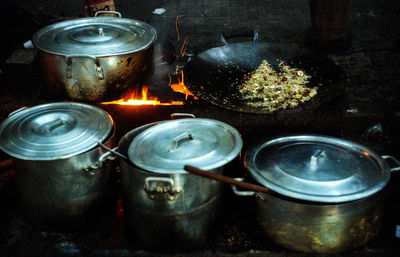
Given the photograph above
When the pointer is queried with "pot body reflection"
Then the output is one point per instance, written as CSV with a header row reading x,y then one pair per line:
x,y
95,79
322,228
65,191
163,211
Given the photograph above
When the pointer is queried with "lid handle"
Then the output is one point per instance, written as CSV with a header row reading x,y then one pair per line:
x,y
179,115
108,12
48,127
179,140
315,157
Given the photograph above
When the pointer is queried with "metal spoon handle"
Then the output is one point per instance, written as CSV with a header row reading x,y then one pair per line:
x,y
225,179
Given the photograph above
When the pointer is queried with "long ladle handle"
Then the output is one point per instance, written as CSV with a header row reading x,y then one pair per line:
x,y
225,179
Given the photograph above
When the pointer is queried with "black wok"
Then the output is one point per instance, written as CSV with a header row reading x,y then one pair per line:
x,y
216,74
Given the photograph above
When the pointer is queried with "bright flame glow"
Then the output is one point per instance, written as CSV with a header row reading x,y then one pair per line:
x,y
180,87
134,99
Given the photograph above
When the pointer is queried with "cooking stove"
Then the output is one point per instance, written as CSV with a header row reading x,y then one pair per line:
x,y
366,112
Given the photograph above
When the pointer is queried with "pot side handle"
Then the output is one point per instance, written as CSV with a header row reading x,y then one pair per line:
x,y
241,193
68,60
389,157
252,33
91,170
114,150
155,187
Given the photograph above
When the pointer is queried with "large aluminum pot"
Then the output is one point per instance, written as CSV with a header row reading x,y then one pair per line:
x,y
325,193
166,207
62,172
95,58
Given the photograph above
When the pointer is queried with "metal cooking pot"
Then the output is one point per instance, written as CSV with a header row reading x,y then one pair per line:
x,y
61,171
95,58
326,192
164,205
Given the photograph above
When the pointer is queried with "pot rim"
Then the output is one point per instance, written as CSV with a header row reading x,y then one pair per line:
x,y
169,146
348,205
127,140
55,131
299,180
120,36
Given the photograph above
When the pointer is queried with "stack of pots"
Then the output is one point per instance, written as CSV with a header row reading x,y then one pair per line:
x,y
165,206
62,172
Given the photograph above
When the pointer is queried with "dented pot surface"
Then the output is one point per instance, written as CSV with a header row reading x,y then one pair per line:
x,y
168,207
160,193
95,58
326,193
58,180
153,174
319,228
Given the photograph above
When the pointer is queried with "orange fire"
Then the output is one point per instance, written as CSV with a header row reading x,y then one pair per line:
x,y
135,99
180,87
142,99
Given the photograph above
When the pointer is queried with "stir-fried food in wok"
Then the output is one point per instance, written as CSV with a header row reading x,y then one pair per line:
x,y
271,89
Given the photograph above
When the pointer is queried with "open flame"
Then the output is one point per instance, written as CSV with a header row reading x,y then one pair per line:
x,y
135,99
180,87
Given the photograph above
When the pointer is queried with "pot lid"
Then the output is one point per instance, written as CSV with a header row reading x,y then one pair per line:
x,y
169,146
53,131
317,168
96,36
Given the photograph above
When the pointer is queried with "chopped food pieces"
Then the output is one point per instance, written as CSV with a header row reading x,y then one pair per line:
x,y
273,90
